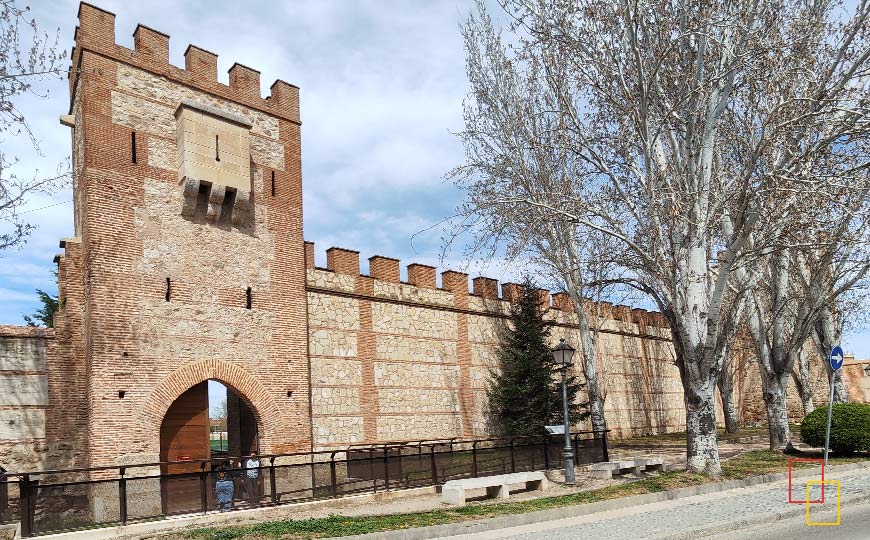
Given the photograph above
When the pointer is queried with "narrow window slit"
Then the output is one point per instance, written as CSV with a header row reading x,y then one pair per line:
x,y
168,289
133,147
249,298
217,148
273,183
121,394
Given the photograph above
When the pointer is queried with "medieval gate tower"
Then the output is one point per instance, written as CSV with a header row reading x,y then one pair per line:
x,y
188,259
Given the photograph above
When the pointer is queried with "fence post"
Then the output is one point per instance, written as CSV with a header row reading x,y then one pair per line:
x,y
386,469
25,506
434,466
272,480
372,470
400,468
4,492
122,496
513,458
604,445
332,476
203,493
474,459
547,454
576,450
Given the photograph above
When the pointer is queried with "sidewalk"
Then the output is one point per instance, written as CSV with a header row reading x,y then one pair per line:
x,y
685,518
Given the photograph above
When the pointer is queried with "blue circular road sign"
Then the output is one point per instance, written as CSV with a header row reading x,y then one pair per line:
x,y
836,358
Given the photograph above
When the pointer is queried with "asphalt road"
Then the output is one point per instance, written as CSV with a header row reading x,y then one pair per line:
x,y
854,525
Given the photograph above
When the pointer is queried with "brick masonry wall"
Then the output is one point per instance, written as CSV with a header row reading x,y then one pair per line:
x,y
433,349
119,334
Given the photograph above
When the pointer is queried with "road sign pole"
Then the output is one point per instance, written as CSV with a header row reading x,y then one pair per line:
x,y
835,359
830,407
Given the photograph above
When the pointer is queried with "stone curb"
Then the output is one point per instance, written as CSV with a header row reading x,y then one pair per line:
x,y
516,520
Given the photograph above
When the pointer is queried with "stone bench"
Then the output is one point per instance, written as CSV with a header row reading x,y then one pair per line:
x,y
649,464
607,469
453,491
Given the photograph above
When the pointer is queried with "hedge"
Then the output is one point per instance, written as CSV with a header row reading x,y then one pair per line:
x,y
850,428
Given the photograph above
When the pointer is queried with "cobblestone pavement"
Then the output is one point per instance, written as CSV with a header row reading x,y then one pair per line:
x,y
680,518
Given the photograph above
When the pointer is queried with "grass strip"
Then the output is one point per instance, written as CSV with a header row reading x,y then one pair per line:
x,y
748,464
679,437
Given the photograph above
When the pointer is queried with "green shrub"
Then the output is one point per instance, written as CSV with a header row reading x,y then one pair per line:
x,y
850,428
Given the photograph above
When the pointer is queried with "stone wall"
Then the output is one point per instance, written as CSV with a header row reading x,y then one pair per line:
x,y
856,374
394,360
23,397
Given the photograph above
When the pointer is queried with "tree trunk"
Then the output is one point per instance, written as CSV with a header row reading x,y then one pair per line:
x,y
729,409
590,371
804,383
596,406
588,342
840,395
805,394
775,388
702,449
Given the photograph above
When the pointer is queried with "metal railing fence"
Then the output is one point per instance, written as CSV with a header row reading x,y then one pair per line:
x,y
61,500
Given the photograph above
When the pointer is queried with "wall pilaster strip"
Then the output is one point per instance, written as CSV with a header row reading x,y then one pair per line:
x,y
463,353
366,351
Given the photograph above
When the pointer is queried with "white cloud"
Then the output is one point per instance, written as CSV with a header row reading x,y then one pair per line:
x,y
381,87
11,295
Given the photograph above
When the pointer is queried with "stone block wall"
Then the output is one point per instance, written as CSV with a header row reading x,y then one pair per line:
x,y
394,360
24,397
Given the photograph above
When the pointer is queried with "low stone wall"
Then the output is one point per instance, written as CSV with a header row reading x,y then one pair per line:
x,y
24,397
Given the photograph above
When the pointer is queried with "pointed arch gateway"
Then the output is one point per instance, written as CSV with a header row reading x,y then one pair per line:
x,y
178,411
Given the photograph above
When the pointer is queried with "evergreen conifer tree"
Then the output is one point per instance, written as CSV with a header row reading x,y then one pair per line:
x,y
525,392
44,316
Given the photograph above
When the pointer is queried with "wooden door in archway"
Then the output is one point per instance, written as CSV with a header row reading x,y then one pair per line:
x,y
184,437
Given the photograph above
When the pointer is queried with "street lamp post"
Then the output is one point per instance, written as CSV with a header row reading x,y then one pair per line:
x,y
562,354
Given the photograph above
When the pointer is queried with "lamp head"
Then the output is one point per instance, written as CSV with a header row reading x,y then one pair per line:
x,y
563,354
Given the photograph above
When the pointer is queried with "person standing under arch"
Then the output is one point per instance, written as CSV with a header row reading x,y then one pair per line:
x,y
252,484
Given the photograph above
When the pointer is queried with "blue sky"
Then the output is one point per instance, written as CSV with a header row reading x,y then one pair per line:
x,y
381,83
381,94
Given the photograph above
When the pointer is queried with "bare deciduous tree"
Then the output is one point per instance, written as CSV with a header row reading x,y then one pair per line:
x,y
804,382
794,293
691,133
516,147
26,56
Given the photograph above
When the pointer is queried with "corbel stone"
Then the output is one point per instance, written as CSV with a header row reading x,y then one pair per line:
x,y
242,207
191,193
215,202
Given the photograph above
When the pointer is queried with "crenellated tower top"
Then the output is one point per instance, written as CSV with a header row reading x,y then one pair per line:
x,y
96,33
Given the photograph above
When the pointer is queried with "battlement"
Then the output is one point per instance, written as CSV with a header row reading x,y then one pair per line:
x,y
96,33
346,262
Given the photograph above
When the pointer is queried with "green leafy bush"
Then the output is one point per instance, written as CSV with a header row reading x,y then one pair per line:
x,y
850,428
